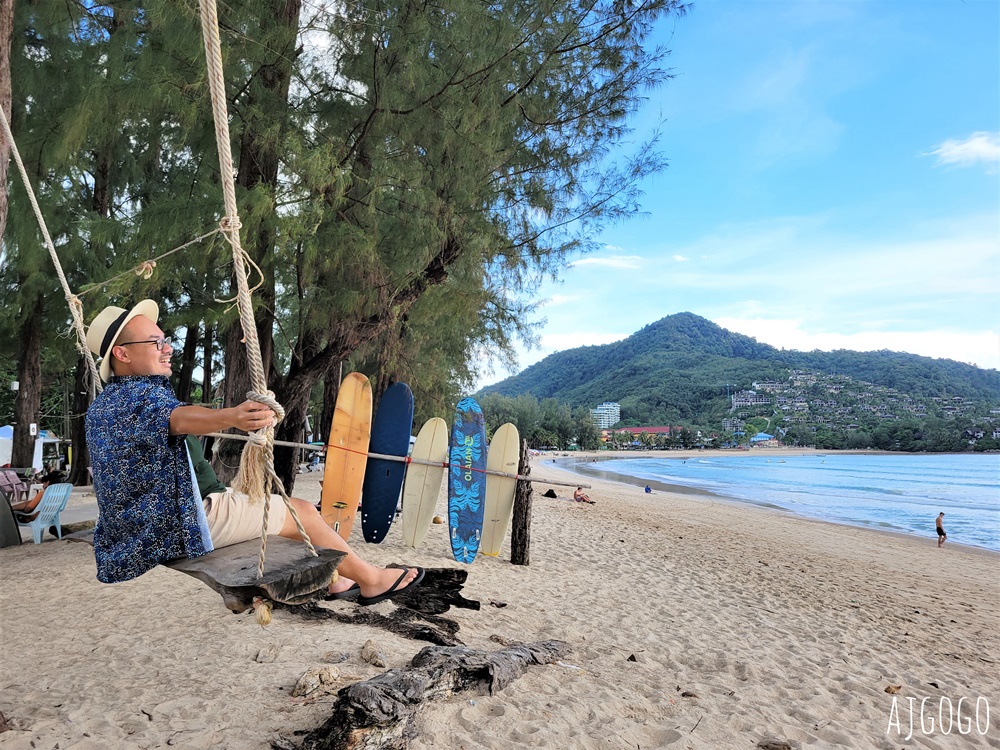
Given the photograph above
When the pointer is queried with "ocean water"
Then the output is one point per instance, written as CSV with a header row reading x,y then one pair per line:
x,y
901,493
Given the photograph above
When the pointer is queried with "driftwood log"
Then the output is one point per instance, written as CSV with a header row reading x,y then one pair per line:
x,y
381,712
291,574
520,529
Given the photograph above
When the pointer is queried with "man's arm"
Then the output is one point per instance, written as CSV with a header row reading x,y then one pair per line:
x,y
197,420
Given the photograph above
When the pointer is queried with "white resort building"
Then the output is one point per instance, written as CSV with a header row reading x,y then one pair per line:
x,y
607,414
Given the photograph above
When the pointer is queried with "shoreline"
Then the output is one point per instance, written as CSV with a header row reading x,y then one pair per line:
x,y
578,465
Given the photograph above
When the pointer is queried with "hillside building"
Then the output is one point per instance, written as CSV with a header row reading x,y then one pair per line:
x,y
607,414
749,399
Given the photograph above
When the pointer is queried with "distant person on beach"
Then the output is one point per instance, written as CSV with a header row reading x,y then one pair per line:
x,y
581,497
649,490
155,502
940,529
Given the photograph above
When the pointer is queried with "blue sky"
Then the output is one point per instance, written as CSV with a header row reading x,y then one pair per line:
x,y
834,182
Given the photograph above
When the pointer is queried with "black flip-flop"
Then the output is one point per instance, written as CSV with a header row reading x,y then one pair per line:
x,y
350,593
367,601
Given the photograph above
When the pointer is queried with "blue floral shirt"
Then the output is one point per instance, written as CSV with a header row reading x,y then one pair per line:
x,y
149,508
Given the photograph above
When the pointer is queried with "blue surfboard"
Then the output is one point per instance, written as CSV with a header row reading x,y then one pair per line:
x,y
384,478
467,480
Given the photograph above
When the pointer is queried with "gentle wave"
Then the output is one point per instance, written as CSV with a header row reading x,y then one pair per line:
x,y
901,492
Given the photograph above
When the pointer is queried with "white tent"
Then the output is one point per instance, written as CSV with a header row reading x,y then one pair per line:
x,y
47,449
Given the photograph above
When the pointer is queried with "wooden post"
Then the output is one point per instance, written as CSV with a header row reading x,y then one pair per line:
x,y
520,532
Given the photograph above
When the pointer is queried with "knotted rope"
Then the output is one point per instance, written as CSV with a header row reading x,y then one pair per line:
x,y
92,379
256,474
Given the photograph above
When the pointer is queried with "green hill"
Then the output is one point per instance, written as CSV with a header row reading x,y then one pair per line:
x,y
679,370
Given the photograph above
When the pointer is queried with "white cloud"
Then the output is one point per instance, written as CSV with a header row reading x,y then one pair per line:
x,y
980,147
817,268
981,348
611,261
561,299
680,258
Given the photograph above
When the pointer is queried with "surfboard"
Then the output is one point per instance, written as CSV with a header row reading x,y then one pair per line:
x,y
384,478
347,453
423,483
503,455
466,480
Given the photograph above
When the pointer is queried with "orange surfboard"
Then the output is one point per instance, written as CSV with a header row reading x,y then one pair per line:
x,y
347,453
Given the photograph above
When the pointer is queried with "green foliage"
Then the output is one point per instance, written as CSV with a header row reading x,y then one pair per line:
x,y
406,174
588,437
546,424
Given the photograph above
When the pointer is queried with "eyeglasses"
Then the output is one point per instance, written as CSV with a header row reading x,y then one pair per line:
x,y
160,342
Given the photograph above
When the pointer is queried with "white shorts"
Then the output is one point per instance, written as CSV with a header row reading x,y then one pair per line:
x,y
233,519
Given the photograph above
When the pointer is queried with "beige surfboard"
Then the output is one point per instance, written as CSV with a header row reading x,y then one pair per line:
x,y
503,455
423,483
347,453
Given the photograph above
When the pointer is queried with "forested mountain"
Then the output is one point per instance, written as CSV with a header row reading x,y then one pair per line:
x,y
679,370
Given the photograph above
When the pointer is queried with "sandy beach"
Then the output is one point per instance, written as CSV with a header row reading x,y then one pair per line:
x,y
694,622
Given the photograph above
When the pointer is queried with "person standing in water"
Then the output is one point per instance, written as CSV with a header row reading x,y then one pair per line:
x,y
940,529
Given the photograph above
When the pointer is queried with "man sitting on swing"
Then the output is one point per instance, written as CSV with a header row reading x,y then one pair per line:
x,y
152,508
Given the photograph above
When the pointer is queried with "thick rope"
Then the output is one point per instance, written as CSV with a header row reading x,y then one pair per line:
x,y
93,380
257,461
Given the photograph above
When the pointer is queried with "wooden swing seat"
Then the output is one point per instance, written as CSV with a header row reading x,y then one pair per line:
x,y
293,575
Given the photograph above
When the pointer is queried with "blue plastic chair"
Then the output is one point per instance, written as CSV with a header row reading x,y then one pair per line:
x,y
53,503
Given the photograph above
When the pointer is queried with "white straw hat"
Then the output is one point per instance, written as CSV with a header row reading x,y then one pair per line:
x,y
108,325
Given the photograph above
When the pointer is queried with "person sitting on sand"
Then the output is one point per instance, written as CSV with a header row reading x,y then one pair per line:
x,y
581,497
152,507
23,510
939,524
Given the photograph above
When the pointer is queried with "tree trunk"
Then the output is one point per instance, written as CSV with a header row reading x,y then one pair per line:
x,y
234,391
295,400
207,390
29,375
520,531
286,460
259,162
185,378
331,387
77,426
6,34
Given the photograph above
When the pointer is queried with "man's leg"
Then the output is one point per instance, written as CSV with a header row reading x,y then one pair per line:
x,y
372,580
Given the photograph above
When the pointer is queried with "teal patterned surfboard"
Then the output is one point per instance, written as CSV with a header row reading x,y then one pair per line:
x,y
467,480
